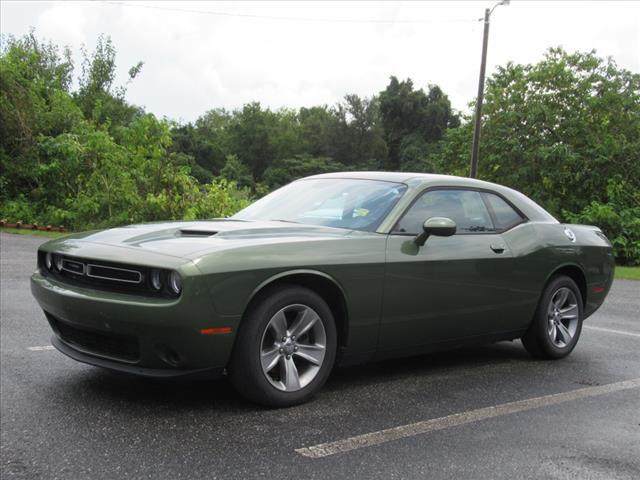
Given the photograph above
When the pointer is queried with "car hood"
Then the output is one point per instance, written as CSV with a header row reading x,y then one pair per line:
x,y
193,239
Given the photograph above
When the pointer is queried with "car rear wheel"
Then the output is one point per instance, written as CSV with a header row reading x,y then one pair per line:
x,y
557,323
285,348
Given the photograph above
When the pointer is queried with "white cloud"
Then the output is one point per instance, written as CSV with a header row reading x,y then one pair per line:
x,y
194,62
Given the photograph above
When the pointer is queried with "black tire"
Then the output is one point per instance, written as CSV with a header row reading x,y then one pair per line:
x,y
537,340
245,368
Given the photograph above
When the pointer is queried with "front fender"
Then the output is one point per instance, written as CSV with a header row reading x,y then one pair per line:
x,y
289,273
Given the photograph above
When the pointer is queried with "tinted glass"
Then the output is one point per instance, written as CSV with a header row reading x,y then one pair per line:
x,y
505,216
332,202
464,207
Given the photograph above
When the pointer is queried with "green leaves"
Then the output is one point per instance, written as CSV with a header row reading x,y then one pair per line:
x,y
559,131
408,112
286,170
565,131
87,159
618,217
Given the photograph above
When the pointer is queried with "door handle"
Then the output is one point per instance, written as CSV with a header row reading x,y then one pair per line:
x,y
497,247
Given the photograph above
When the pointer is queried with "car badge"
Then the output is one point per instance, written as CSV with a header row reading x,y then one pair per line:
x,y
570,235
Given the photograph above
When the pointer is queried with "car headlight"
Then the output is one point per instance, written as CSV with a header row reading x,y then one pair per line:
x,y
156,279
175,283
48,261
57,260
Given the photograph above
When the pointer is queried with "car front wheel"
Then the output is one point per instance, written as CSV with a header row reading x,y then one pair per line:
x,y
285,348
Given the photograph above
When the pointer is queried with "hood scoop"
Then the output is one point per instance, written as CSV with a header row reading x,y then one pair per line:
x,y
187,232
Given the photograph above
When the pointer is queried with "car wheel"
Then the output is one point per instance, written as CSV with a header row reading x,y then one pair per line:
x,y
285,349
557,323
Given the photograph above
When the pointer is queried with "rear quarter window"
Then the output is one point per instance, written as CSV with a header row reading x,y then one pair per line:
x,y
504,214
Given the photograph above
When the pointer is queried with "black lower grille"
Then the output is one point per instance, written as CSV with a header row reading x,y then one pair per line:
x,y
114,345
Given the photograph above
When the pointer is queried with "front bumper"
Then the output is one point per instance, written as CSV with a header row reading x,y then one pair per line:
x,y
71,352
146,336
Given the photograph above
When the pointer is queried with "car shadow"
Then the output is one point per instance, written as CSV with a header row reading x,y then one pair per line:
x,y
218,395
436,364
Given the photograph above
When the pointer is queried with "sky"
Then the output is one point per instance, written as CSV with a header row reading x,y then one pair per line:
x,y
203,55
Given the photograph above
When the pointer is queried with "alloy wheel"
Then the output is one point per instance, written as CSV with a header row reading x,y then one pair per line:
x,y
293,347
562,315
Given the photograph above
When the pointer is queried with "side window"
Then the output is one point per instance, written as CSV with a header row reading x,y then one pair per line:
x,y
505,216
465,207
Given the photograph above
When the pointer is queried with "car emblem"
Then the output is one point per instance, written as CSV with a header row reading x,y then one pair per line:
x,y
570,235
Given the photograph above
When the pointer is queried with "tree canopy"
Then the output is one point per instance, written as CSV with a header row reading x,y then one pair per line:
x,y
566,132
74,151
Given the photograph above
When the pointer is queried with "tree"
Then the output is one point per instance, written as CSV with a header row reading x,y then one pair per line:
x,y
565,131
209,140
236,171
286,170
357,136
406,111
317,125
34,101
557,130
87,158
97,96
250,137
618,217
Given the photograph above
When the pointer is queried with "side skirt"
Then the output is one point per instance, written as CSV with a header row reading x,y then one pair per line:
x,y
450,344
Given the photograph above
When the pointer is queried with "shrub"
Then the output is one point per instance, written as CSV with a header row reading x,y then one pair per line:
x,y
619,219
18,210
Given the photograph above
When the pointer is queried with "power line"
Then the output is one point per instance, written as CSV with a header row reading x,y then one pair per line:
x,y
294,19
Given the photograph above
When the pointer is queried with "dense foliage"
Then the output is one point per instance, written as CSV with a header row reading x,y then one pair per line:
x,y
565,131
73,151
86,158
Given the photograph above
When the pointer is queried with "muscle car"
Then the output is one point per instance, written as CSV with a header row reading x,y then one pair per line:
x,y
342,267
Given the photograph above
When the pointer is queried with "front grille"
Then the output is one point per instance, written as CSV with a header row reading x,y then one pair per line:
x,y
113,345
109,276
103,272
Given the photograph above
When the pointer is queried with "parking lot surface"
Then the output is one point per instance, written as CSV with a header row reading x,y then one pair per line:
x,y
488,412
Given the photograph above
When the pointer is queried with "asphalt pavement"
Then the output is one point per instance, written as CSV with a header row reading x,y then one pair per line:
x,y
478,413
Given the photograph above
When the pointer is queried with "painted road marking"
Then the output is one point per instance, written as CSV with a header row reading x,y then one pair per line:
x,y
41,348
418,428
610,330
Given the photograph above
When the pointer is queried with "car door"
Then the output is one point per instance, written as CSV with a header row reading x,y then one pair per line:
x,y
451,287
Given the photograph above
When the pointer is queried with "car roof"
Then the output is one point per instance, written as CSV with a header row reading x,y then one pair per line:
x,y
419,181
407,177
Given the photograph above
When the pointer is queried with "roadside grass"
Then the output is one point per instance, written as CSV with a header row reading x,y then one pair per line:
x,y
627,273
36,233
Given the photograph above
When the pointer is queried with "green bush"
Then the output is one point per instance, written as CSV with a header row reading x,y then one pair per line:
x,y
18,210
619,219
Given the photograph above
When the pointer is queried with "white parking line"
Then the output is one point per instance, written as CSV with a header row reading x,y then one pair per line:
x,y
418,428
41,348
610,330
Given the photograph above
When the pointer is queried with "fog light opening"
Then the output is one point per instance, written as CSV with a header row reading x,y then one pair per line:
x,y
169,355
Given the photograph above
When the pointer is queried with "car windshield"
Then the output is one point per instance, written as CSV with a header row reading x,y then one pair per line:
x,y
331,202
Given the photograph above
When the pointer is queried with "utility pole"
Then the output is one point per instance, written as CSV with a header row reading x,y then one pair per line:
x,y
475,149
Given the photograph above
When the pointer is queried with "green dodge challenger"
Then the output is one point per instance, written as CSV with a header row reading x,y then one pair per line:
x,y
341,267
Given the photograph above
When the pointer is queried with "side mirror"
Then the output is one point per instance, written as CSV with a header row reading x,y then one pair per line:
x,y
438,226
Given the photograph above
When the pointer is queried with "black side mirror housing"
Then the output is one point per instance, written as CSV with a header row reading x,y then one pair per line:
x,y
438,226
